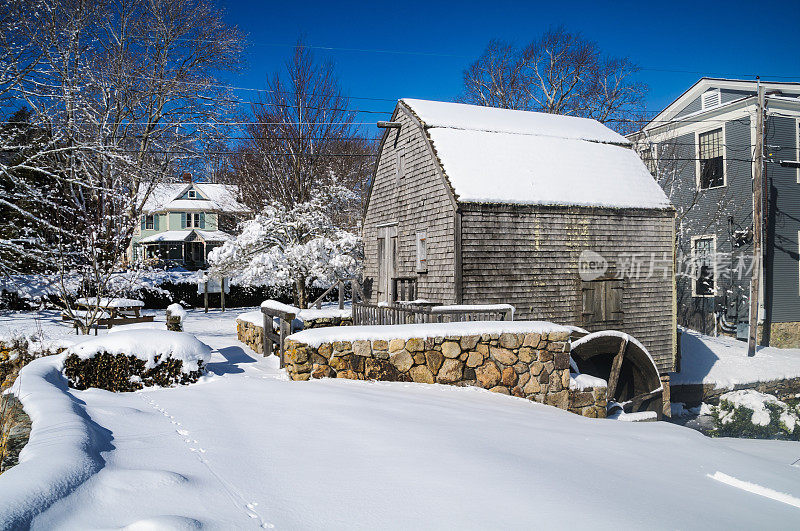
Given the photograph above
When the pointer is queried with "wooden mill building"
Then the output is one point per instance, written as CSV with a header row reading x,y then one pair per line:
x,y
555,215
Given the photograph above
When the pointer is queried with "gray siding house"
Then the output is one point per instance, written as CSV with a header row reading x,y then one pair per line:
x,y
476,205
701,147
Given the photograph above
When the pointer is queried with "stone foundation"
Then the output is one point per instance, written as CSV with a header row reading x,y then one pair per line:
x,y
589,402
693,394
530,365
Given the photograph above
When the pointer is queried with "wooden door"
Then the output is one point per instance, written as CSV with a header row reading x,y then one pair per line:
x,y
387,262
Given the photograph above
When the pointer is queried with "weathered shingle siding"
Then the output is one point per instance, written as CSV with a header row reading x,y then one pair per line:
x,y
782,220
528,257
422,202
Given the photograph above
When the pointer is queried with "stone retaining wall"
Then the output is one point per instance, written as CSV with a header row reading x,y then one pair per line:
x,y
532,365
589,402
693,394
252,334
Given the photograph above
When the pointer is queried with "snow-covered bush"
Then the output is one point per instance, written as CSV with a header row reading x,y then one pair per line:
x,y
133,359
750,414
16,351
299,247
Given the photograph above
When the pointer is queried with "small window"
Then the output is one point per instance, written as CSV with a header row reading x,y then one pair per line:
x,y
711,167
704,252
192,194
193,220
710,98
400,167
602,301
149,222
422,251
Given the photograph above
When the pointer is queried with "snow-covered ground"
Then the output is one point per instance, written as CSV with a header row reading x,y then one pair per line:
x,y
246,447
723,361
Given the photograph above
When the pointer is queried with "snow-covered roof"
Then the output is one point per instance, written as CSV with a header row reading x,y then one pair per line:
x,y
212,197
185,235
504,156
492,119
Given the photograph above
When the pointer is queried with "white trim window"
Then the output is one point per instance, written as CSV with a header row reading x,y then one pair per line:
x,y
711,159
704,260
149,222
192,194
422,251
193,220
710,98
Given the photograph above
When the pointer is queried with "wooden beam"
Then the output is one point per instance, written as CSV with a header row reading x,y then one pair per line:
x,y
616,366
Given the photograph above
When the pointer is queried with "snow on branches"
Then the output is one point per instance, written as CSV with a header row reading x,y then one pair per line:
x,y
298,247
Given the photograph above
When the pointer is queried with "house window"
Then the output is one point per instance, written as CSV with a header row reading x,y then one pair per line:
x,y
602,301
422,251
192,194
149,222
711,165
193,220
710,98
400,167
704,253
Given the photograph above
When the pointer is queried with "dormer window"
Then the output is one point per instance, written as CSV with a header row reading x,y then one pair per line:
x,y
710,98
192,194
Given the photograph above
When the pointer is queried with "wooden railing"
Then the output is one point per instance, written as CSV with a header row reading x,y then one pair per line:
x,y
355,292
374,314
404,288
284,329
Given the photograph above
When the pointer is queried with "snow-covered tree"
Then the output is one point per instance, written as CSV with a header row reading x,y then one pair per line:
x,y
298,247
118,96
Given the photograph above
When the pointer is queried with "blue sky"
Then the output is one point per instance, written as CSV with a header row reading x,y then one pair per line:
x,y
674,42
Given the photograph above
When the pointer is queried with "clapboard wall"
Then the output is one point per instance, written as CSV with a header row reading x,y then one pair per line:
x,y
419,199
528,256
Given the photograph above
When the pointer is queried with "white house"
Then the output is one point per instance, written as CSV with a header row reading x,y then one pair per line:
x,y
182,222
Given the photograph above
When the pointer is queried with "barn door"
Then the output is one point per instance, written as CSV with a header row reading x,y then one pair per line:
x,y
387,262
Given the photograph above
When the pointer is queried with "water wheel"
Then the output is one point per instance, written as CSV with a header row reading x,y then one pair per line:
x,y
632,376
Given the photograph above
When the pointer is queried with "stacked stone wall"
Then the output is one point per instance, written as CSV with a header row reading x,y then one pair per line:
x,y
589,402
532,365
252,334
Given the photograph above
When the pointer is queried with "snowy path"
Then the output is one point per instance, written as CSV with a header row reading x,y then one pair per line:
x,y
246,448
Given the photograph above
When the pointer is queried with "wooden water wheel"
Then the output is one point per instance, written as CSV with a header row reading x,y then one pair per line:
x,y
632,376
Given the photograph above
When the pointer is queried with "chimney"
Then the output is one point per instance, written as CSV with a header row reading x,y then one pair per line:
x,y
186,177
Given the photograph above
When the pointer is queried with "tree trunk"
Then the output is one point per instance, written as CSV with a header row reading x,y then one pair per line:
x,y
300,288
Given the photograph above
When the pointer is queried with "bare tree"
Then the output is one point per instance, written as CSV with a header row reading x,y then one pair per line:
x,y
302,138
126,92
560,73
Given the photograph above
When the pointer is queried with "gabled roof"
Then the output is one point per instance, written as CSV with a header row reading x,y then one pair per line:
x,y
708,83
517,157
212,198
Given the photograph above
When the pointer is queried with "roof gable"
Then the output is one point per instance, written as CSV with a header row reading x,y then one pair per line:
x,y
211,197
518,157
704,84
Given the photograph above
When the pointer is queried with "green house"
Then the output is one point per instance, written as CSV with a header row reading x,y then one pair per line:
x,y
182,222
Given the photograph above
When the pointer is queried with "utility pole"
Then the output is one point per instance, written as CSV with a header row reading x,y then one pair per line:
x,y
758,195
